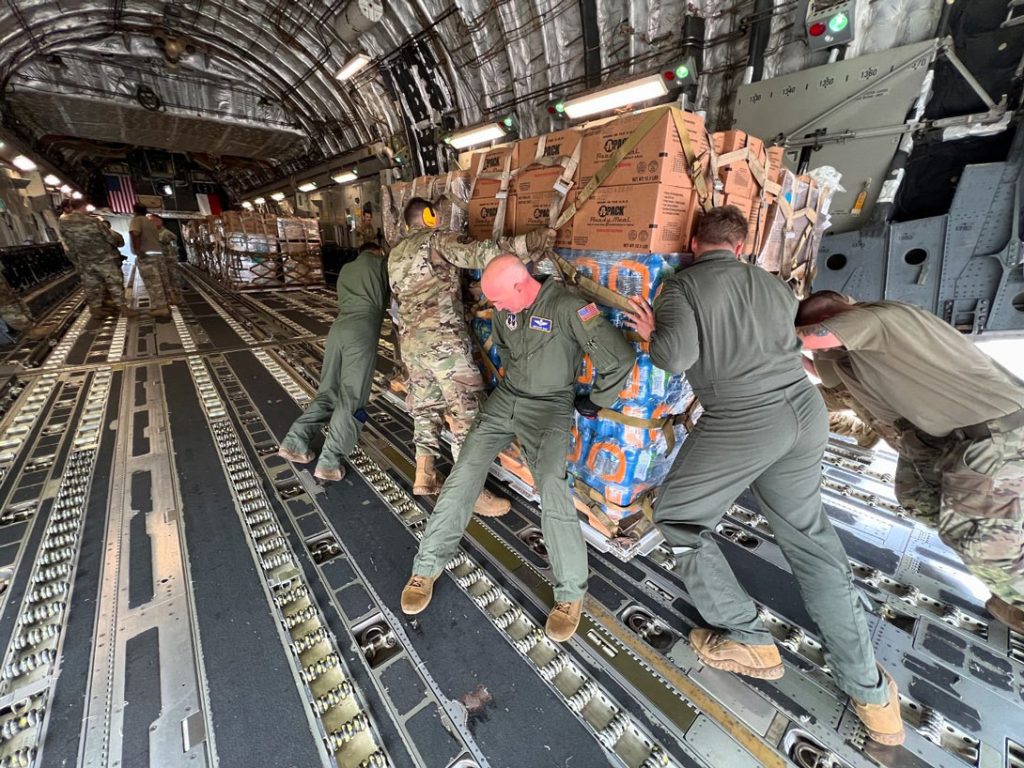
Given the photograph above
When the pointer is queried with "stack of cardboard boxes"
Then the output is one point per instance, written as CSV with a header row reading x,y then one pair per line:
x,y
248,250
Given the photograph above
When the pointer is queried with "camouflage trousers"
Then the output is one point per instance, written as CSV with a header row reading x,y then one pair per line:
x,y
970,491
103,282
443,380
844,418
170,278
153,270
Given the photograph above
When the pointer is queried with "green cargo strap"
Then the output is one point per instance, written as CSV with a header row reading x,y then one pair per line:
x,y
665,425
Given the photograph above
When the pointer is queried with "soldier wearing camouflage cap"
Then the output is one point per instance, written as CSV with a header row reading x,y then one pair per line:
x,y
961,422
92,247
424,272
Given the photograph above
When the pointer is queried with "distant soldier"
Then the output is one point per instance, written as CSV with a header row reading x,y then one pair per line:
x,y
169,264
366,232
347,373
12,309
542,330
436,349
149,257
92,247
961,422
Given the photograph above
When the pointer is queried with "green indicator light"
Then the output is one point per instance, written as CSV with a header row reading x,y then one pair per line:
x,y
560,107
508,122
682,71
838,23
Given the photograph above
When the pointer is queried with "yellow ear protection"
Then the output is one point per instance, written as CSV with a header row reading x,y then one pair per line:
x,y
429,217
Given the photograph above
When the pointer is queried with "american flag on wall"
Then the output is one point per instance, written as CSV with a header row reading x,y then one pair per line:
x,y
120,193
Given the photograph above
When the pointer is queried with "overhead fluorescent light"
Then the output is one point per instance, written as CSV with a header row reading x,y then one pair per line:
x,y
76,195
66,189
352,66
260,200
23,163
247,205
277,197
344,177
90,208
476,135
634,92
309,186
51,181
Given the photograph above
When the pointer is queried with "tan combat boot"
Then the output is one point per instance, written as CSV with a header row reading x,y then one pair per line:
x,y
489,505
718,651
883,722
426,482
417,593
294,456
329,474
563,620
1011,615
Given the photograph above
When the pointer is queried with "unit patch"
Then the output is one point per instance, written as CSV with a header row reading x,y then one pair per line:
x,y
588,312
512,321
540,324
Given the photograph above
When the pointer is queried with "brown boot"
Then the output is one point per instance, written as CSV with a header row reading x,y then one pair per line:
x,y
295,456
489,505
1011,615
563,620
426,482
417,593
329,474
718,651
883,722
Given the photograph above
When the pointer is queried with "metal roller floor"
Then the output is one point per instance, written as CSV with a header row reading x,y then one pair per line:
x,y
174,594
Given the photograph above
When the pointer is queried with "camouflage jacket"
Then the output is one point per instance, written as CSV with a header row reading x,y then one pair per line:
x,y
88,239
170,243
366,233
424,273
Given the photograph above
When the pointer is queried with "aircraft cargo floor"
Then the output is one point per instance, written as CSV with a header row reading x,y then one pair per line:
x,y
175,594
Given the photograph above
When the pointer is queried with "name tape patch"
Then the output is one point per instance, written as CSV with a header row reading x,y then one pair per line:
x,y
540,324
588,312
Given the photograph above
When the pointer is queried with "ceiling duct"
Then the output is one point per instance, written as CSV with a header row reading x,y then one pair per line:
x,y
356,18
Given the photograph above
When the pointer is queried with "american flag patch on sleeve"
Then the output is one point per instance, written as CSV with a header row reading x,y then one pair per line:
x,y
588,312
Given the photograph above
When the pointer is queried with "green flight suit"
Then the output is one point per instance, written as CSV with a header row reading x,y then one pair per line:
x,y
542,348
349,358
729,326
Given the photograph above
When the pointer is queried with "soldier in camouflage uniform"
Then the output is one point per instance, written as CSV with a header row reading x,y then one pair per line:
x,y
12,308
424,273
92,247
846,417
961,422
366,232
169,265
149,259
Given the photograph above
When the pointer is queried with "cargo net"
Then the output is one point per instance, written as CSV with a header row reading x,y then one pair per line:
x,y
249,251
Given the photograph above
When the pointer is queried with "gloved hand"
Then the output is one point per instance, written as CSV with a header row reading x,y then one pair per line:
x,y
587,408
539,241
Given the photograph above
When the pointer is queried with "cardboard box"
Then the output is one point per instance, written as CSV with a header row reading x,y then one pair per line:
x,y
557,144
658,158
481,215
642,218
744,203
488,169
539,178
736,176
533,212
775,158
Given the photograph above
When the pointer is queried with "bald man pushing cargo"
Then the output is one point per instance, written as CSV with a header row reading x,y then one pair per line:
x,y
542,331
729,327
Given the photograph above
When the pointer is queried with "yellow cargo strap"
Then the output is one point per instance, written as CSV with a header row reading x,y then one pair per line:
x,y
693,162
605,170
